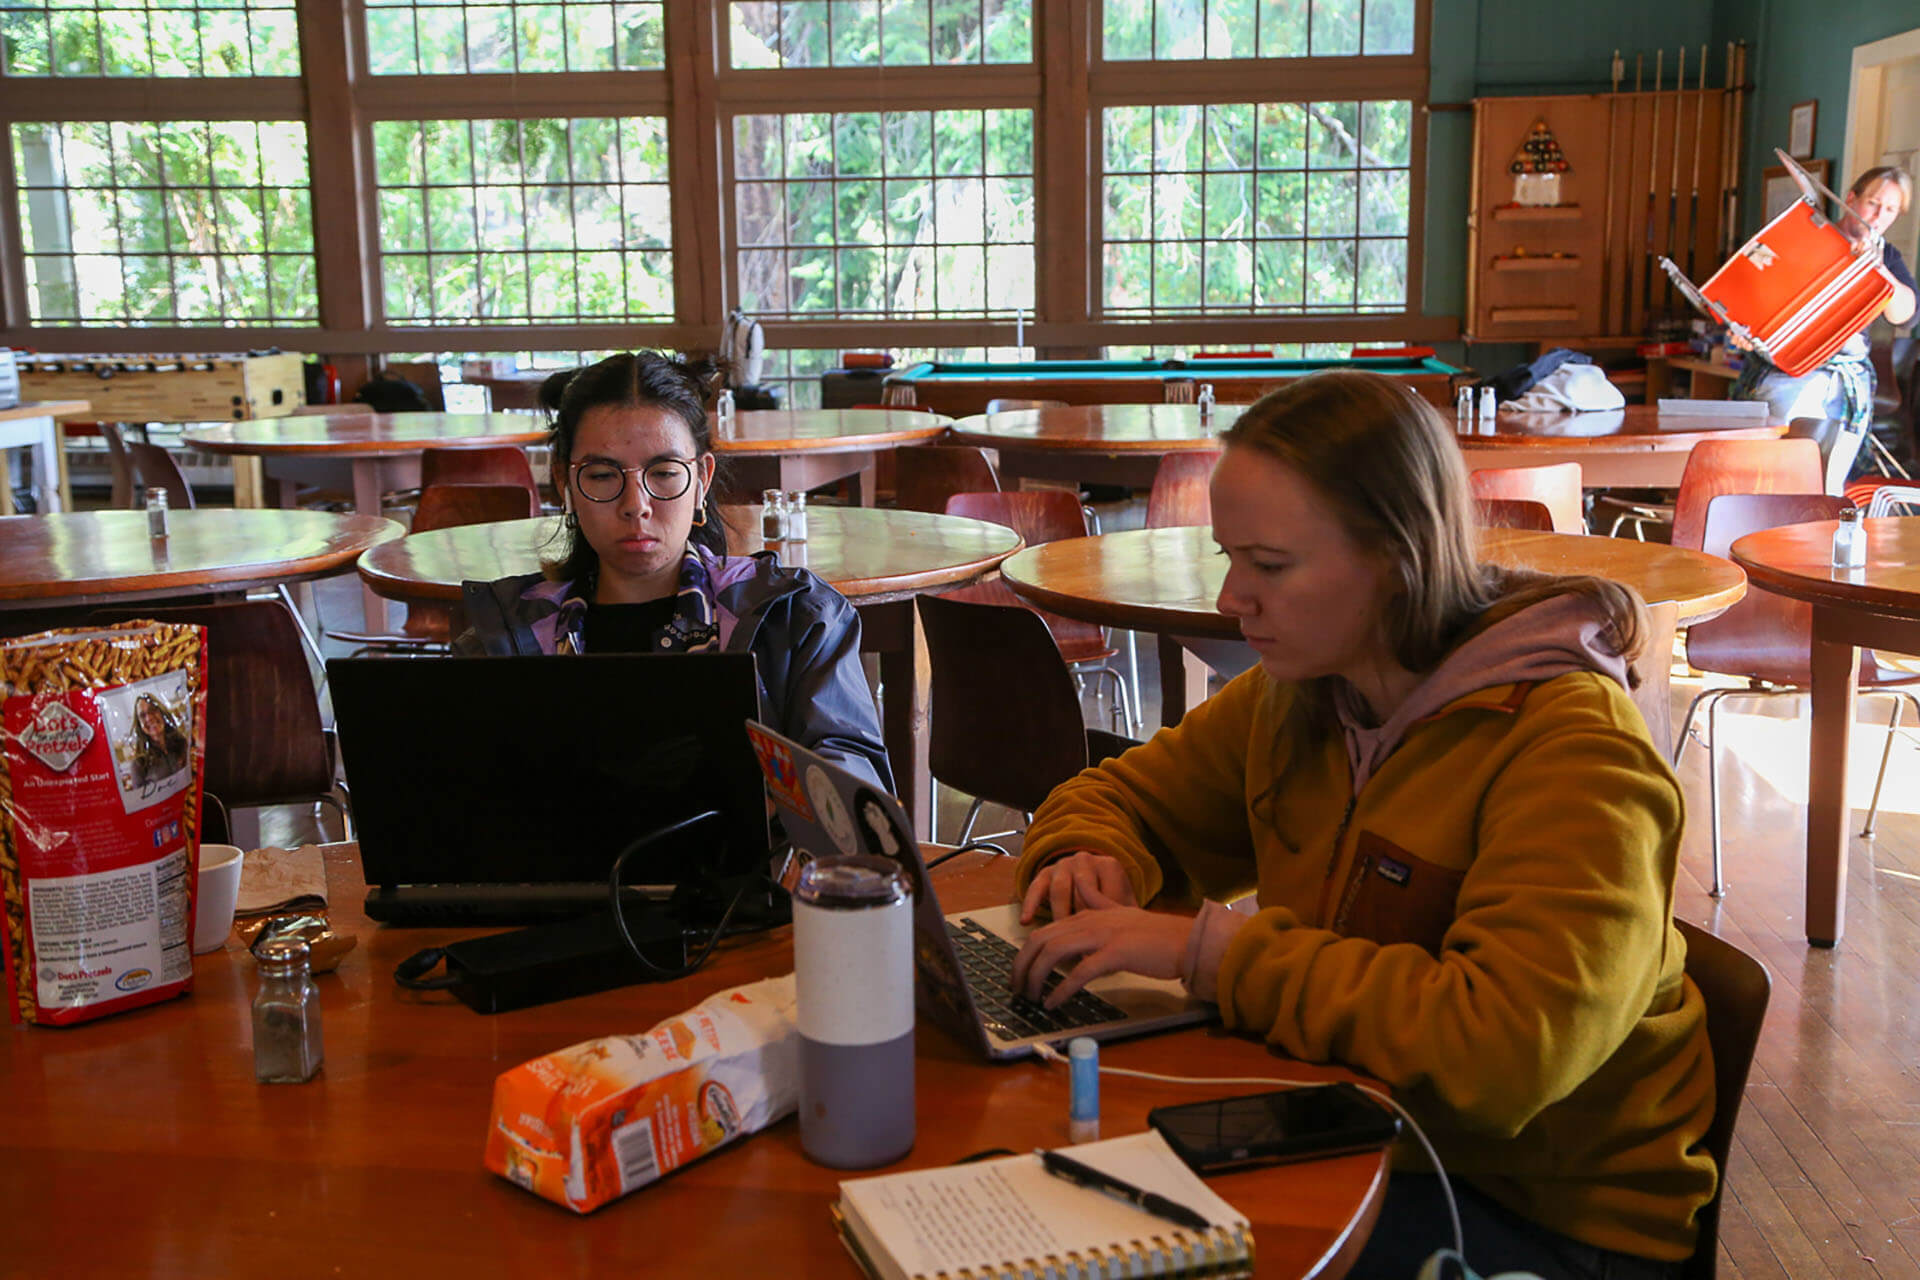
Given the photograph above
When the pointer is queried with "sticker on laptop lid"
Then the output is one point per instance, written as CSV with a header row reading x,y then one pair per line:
x,y
776,765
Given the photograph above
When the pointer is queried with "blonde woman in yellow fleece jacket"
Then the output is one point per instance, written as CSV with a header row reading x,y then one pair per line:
x,y
1459,835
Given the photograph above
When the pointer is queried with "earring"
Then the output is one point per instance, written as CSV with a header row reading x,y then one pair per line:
x,y
700,512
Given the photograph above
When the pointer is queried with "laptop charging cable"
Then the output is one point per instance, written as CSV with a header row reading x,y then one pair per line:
x,y
1442,1264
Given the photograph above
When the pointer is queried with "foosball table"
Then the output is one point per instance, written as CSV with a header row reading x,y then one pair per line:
x,y
166,388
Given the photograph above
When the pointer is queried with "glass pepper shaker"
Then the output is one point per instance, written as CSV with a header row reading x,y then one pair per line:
x,y
796,515
1204,398
156,513
286,1014
723,413
773,516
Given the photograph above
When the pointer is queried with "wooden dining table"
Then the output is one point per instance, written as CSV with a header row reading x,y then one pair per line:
x,y
376,453
373,1168
879,559
53,568
1167,581
1876,606
1638,445
806,448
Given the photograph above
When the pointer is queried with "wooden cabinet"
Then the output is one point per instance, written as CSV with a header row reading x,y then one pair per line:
x,y
1643,178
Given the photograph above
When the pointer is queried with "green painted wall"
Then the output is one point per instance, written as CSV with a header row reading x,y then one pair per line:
x,y
1801,49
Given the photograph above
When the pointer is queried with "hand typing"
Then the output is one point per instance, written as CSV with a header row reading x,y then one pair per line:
x,y
1082,881
1151,943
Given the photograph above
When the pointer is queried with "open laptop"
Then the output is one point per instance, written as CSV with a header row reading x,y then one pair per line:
x,y
500,790
963,961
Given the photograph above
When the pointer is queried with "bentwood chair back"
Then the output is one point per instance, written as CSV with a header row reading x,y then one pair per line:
x,y
1716,467
1008,404
1044,515
994,664
1181,495
496,464
155,467
265,741
1767,640
1514,513
926,475
1736,989
1557,487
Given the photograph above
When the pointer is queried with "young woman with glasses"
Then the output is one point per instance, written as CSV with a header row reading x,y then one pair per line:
x,y
642,563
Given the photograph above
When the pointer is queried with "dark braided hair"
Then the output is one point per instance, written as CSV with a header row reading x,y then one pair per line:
x,y
638,380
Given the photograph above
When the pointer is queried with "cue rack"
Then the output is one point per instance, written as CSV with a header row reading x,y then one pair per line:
x,y
1649,169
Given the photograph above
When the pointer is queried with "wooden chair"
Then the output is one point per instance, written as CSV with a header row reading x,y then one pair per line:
x,y
499,464
1043,515
996,665
1180,495
1514,513
1736,989
1009,404
925,476
1557,487
1714,467
428,627
155,467
424,374
265,741
1768,640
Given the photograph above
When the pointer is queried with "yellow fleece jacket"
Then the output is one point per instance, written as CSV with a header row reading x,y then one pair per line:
x,y
1488,929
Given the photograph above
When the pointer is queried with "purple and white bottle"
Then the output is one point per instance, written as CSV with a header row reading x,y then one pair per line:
x,y
853,971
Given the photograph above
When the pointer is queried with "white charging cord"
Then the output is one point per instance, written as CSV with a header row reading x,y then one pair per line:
x,y
1051,1054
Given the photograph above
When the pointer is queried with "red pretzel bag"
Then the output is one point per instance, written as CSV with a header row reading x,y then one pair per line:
x,y
102,738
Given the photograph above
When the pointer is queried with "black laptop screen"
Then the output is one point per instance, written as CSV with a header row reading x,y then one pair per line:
x,y
539,770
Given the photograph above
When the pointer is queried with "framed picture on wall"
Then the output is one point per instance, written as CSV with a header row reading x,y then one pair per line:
x,y
1800,122
1778,189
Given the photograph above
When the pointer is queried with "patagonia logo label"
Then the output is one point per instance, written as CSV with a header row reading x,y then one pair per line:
x,y
1398,872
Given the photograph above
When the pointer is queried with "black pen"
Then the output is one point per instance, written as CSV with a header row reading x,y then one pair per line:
x,y
1153,1202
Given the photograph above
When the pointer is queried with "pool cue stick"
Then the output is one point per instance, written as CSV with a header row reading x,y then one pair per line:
x,y
1733,161
1673,179
1699,123
1653,191
1633,149
1619,71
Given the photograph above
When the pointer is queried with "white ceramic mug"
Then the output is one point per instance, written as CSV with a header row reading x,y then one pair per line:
x,y
219,890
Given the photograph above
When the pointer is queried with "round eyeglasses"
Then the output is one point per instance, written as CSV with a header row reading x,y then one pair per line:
x,y
664,479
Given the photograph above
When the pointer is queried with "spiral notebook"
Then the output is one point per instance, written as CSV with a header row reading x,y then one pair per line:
x,y
1010,1217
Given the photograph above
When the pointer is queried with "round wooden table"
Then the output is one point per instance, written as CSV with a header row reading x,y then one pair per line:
x,y
1633,446
1093,443
807,448
879,559
374,1165
1875,607
1167,581
381,451
77,560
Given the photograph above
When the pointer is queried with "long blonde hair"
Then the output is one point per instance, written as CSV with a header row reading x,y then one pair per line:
x,y
1388,468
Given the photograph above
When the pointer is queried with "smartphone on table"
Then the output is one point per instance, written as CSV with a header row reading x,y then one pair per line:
x,y
1303,1123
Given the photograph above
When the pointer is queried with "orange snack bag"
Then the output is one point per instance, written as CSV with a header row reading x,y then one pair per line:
x,y
589,1123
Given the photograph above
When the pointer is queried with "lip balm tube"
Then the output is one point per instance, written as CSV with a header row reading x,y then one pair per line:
x,y
1083,1110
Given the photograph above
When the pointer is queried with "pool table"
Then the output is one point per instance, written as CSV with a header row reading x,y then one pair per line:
x,y
961,389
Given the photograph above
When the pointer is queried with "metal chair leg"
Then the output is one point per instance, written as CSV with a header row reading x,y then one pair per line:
x,y
1886,752
973,816
1686,726
1719,887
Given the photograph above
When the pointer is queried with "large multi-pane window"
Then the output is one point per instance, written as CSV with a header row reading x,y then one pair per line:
x,y
174,222
494,221
586,173
897,213
1280,207
150,38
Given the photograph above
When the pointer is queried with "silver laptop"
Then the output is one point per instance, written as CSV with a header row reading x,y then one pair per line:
x,y
963,961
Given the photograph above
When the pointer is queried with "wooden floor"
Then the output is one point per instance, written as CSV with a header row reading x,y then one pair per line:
x,y
1825,1174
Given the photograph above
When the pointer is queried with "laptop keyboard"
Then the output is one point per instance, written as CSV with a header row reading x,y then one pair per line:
x,y
986,960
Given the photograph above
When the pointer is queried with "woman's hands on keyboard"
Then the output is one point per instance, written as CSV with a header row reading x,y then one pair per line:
x,y
1081,881
1151,943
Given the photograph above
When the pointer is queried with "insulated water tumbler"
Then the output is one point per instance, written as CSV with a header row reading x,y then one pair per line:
x,y
853,971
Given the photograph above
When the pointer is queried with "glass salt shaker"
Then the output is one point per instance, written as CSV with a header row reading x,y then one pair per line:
x,y
1849,541
723,413
1204,398
156,513
773,516
286,1014
796,516
1489,403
